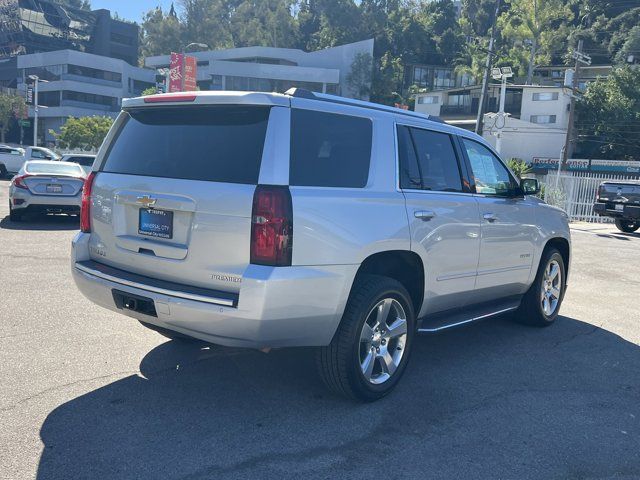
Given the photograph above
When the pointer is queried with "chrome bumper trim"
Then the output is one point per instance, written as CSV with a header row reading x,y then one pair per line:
x,y
150,288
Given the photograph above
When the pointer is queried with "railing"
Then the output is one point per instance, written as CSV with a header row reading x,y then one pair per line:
x,y
576,193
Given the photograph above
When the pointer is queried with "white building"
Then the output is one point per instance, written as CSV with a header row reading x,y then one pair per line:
x,y
275,69
537,122
79,84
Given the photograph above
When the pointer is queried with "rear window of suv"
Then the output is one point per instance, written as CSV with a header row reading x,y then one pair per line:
x,y
216,144
329,150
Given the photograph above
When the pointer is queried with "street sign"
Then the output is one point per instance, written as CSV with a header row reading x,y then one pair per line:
x,y
29,95
24,123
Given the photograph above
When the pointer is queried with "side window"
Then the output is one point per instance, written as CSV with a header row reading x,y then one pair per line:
x,y
428,160
329,150
490,175
37,154
410,177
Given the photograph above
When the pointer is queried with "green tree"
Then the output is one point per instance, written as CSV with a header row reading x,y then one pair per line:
x,y
534,23
161,33
12,107
149,91
631,48
608,117
359,77
86,133
267,23
208,22
519,167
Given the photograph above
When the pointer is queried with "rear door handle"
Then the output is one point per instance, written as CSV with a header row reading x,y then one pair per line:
x,y
424,214
490,217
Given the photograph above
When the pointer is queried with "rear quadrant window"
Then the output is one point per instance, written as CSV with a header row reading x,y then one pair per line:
x,y
216,144
329,150
437,163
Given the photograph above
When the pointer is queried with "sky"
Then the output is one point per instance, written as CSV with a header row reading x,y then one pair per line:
x,y
131,9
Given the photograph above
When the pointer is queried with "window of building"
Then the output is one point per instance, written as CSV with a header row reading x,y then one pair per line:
x,y
421,76
111,102
333,88
48,72
427,160
329,150
122,39
49,99
443,78
430,99
94,73
542,119
545,96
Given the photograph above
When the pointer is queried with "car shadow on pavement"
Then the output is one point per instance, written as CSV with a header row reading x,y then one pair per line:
x,y
493,400
42,222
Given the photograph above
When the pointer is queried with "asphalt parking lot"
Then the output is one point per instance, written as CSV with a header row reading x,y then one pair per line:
x,y
86,393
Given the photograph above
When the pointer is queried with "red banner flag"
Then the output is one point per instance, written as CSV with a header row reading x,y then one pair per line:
x,y
176,72
190,69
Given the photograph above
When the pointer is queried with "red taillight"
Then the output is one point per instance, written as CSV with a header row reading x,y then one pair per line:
x,y
271,226
85,207
18,182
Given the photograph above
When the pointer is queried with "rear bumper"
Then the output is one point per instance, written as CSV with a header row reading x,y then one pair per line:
x,y
26,201
276,307
628,211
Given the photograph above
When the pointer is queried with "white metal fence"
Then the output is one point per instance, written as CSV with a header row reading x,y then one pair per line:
x,y
576,192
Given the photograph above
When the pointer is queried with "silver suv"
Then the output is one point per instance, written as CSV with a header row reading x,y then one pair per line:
x,y
269,220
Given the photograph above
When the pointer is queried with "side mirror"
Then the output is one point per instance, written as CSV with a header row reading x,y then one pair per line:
x,y
530,186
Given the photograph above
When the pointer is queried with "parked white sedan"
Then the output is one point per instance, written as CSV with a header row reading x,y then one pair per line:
x,y
46,187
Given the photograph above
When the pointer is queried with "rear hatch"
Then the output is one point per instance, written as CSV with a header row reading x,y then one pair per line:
x,y
173,196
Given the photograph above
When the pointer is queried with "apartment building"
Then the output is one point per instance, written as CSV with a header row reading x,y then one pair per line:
x,y
536,126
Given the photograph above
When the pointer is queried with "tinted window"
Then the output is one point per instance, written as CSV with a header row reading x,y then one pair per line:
x,y
433,166
409,172
490,175
217,144
329,150
54,168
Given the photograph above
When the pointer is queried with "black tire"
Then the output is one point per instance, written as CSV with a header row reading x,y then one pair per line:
x,y
627,226
339,362
170,333
14,215
3,171
531,311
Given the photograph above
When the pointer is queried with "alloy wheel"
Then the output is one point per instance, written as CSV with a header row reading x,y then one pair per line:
x,y
551,287
382,341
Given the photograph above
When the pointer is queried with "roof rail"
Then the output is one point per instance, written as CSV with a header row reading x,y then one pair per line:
x,y
323,97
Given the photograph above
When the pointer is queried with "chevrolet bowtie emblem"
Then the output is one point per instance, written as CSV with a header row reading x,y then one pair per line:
x,y
146,200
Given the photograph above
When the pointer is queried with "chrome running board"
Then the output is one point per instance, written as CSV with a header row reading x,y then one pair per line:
x,y
450,319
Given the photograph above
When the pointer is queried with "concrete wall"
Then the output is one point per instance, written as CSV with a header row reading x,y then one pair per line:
x,y
524,140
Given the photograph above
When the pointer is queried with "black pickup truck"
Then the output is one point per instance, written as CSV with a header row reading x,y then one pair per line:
x,y
620,200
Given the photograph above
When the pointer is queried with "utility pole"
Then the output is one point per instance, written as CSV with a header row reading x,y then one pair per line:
x,y
35,79
569,143
501,74
487,67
